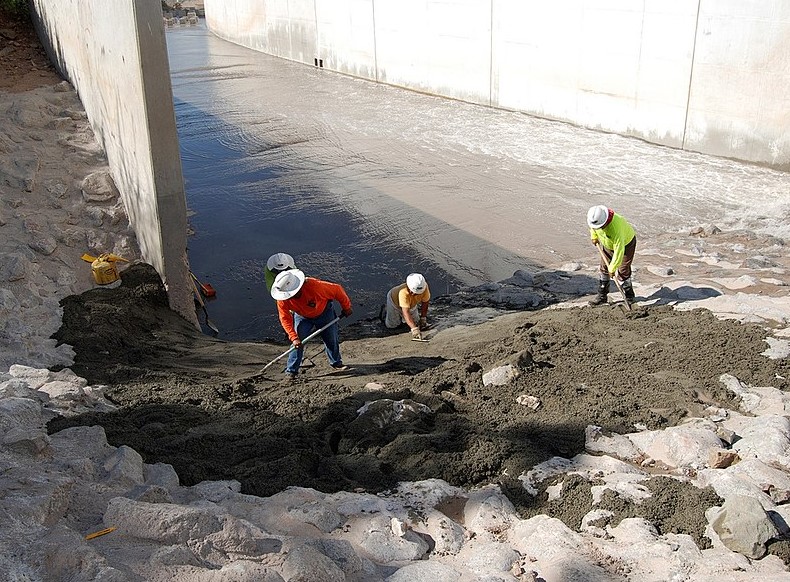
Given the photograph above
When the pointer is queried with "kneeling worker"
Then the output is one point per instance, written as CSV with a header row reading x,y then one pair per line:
x,y
404,301
305,304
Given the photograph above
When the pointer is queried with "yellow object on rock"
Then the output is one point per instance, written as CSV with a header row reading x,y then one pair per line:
x,y
103,267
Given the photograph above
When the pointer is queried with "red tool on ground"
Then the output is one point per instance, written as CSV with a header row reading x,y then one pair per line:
x,y
206,289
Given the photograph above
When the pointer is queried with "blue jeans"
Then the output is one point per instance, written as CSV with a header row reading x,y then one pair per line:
x,y
305,326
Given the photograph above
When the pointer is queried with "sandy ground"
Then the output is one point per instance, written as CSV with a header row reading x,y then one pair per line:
x,y
202,405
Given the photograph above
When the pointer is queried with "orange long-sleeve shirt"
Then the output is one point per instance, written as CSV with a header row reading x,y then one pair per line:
x,y
311,302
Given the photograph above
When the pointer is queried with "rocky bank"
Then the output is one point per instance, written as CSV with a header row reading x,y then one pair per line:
x,y
533,437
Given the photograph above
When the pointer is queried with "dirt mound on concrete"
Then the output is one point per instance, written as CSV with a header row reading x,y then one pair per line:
x,y
200,404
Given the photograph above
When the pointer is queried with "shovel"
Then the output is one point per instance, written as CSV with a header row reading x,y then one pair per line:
x,y
614,277
205,311
304,341
207,289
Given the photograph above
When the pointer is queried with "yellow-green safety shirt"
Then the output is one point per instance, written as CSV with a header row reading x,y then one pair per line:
x,y
614,236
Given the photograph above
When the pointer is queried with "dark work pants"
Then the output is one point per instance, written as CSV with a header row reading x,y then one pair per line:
x,y
624,270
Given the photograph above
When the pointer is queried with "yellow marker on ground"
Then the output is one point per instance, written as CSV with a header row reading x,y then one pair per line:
x,y
99,533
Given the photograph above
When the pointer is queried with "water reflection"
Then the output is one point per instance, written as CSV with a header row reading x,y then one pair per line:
x,y
369,182
247,200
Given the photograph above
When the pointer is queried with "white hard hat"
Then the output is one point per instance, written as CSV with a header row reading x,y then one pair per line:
x,y
287,284
416,283
280,262
597,216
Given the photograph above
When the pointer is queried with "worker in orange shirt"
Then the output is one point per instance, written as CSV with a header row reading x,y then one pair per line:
x,y
305,304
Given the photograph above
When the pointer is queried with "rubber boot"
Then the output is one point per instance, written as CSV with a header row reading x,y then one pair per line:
x,y
603,291
628,289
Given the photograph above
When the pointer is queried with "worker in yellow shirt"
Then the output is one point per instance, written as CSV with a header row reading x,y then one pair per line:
x,y
408,303
617,239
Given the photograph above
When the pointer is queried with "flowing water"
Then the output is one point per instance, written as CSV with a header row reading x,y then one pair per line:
x,y
364,183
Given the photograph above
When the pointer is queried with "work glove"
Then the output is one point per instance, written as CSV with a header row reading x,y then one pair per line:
x,y
415,333
346,312
423,322
297,343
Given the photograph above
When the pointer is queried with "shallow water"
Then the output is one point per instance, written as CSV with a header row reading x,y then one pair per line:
x,y
363,183
248,199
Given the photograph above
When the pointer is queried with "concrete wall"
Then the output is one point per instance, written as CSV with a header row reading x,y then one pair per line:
x,y
704,75
114,53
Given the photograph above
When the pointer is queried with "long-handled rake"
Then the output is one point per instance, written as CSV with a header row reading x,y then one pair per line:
x,y
292,348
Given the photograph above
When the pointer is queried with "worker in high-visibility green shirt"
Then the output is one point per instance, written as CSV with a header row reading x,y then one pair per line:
x,y
276,264
617,239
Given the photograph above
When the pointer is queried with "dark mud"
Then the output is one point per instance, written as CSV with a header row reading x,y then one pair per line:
x,y
201,405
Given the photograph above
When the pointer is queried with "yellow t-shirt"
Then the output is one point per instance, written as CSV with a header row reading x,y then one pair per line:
x,y
403,298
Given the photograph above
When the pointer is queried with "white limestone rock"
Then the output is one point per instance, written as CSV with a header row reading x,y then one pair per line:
x,y
162,522
20,389
82,442
742,480
433,493
485,557
637,547
742,525
687,445
529,401
448,536
236,571
342,553
161,475
99,187
612,471
60,553
124,467
373,535
766,438
33,442
777,348
488,513
149,494
24,413
305,563
382,413
296,511
425,572
216,491
40,500
13,267
614,445
757,400
239,538
34,377
557,553
500,375
719,563
174,556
